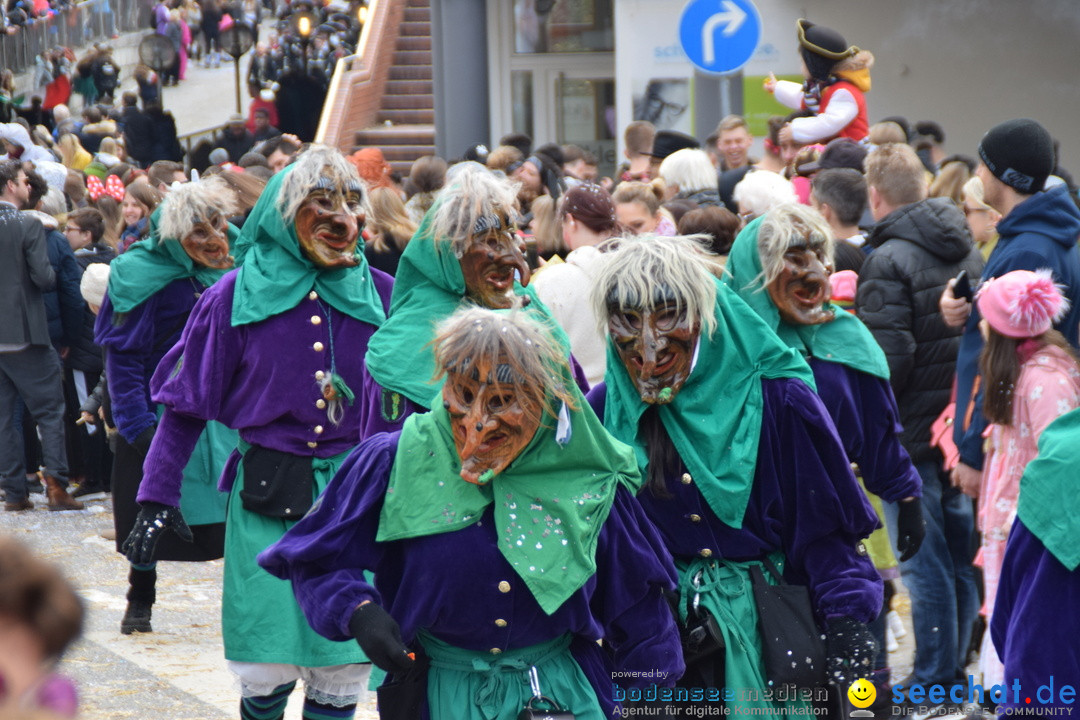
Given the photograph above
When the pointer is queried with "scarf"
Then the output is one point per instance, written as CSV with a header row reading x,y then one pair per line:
x,y
428,287
844,340
275,275
550,502
715,419
149,265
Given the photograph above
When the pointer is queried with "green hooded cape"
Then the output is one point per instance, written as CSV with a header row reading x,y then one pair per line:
x,y
715,419
550,502
428,287
844,340
276,275
1049,504
154,262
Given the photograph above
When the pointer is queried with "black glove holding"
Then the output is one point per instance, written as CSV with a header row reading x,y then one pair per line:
x,y
142,443
380,638
910,528
154,519
851,649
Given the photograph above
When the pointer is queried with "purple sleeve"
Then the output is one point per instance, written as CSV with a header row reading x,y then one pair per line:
x,y
127,352
638,623
868,422
1033,636
383,410
825,511
195,374
325,554
163,469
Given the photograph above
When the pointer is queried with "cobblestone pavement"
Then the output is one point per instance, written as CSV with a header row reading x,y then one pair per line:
x,y
177,672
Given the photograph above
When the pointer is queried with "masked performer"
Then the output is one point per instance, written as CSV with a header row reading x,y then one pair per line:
x,y
152,290
780,265
503,534
741,460
275,351
466,252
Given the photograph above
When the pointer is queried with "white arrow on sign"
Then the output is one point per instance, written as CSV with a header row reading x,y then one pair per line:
x,y
733,15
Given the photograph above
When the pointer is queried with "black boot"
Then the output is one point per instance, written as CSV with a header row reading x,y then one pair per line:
x,y
140,596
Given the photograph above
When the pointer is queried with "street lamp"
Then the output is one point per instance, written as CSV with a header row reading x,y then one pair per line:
x,y
236,41
304,24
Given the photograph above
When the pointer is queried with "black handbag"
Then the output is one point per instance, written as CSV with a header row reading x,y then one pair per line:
x,y
402,695
791,646
277,484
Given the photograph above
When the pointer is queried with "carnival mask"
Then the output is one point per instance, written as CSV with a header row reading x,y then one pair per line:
x,y
493,416
656,346
208,243
328,225
802,288
489,262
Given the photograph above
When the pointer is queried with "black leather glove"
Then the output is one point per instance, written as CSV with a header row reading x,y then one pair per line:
x,y
154,519
851,649
142,443
380,638
910,528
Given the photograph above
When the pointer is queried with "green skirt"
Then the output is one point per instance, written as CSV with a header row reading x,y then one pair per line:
x,y
260,619
200,500
726,591
477,685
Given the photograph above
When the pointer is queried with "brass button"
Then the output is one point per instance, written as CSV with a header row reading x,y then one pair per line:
x,y
315,319
319,374
318,429
695,518
504,587
288,511
686,479
495,651
313,444
500,623
320,403
313,295
317,347
706,552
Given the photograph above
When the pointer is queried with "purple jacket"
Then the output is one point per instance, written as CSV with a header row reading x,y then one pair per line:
x,y
449,584
261,380
804,502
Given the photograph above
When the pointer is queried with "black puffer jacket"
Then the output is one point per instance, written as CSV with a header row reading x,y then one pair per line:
x,y
917,249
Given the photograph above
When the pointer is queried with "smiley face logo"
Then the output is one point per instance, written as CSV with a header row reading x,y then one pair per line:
x,y
862,693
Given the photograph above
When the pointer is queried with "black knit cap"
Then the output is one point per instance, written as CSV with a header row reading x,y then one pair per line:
x,y
666,142
821,48
1019,153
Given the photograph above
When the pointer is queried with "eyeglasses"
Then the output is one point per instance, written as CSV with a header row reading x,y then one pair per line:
x,y
969,211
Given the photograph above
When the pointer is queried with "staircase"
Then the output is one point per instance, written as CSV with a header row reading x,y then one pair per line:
x,y
395,114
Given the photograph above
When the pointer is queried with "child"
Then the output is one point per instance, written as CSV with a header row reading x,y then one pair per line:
x,y
837,76
1031,377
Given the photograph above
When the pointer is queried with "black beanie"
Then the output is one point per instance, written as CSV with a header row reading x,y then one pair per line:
x,y
1019,153
821,48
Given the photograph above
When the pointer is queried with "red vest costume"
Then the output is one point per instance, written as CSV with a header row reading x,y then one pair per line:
x,y
859,127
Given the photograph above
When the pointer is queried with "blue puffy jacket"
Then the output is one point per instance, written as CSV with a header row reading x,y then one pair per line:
x,y
1041,232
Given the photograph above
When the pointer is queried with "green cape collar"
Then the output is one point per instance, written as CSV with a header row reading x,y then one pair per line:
x,y
549,504
152,263
275,275
844,340
1049,504
715,419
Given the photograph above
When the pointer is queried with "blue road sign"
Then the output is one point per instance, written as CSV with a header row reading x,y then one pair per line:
x,y
719,36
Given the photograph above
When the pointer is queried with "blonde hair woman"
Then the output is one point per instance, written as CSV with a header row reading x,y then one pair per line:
x,y
390,230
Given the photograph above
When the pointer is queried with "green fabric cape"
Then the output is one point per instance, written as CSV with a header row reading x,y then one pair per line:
x,y
844,340
151,264
1049,504
275,275
550,502
428,287
715,419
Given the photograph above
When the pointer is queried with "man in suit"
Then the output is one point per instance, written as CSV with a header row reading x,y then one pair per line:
x,y
29,366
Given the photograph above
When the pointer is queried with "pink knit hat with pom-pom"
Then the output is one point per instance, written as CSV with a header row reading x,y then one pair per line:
x,y
1022,303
